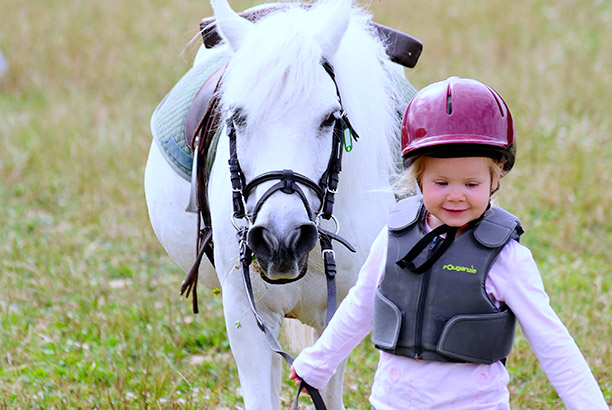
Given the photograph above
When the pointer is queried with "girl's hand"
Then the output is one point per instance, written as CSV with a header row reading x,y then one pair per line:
x,y
293,376
296,379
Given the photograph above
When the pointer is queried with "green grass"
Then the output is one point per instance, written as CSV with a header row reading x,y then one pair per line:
x,y
90,315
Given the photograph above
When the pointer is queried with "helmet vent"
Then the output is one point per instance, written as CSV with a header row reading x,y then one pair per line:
x,y
449,101
499,103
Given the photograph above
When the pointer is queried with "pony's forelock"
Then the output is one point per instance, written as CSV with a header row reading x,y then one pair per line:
x,y
280,53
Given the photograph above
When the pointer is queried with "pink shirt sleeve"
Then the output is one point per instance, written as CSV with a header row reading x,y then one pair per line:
x,y
516,281
350,324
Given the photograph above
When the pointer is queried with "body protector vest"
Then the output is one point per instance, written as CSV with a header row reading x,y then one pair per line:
x,y
444,314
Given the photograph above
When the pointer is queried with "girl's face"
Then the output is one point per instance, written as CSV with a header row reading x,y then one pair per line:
x,y
456,190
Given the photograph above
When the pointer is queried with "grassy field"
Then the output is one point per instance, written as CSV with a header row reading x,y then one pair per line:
x,y
90,315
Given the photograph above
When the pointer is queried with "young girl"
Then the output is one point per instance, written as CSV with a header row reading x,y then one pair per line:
x,y
447,277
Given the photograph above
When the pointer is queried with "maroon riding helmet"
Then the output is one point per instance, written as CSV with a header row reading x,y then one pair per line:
x,y
458,117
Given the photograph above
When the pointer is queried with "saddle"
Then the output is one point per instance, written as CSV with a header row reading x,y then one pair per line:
x,y
203,117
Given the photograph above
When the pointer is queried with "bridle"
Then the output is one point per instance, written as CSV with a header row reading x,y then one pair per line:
x,y
288,182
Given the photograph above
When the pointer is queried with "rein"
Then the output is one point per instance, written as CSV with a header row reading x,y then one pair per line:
x,y
288,183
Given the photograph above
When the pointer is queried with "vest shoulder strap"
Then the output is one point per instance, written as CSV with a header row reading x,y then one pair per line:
x,y
498,227
405,213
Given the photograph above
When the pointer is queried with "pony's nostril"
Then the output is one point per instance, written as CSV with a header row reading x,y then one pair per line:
x,y
302,239
263,242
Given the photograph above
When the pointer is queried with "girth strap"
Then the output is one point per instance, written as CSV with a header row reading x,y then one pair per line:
x,y
190,283
201,142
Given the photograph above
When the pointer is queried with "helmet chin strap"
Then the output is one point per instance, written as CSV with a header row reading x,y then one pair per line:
x,y
407,262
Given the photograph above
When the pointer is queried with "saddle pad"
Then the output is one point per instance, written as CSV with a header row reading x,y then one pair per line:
x,y
168,119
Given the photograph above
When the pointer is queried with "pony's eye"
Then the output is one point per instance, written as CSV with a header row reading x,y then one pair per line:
x,y
239,119
330,120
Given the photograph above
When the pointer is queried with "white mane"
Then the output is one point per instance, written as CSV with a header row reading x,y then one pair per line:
x,y
283,56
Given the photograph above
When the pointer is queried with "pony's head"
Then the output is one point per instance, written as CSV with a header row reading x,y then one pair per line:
x,y
282,105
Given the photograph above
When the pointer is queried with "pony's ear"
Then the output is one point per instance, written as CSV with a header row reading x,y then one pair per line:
x,y
333,18
232,27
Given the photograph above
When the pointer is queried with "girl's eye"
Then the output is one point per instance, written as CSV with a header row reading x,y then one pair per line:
x,y
472,184
441,183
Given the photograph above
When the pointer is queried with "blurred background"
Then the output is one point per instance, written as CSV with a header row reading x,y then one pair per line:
x,y
90,313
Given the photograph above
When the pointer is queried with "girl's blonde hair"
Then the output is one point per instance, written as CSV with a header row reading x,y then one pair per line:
x,y
408,183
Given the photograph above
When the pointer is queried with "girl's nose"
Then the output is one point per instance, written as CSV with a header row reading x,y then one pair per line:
x,y
456,194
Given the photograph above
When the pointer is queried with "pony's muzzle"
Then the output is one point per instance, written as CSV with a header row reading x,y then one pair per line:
x,y
282,254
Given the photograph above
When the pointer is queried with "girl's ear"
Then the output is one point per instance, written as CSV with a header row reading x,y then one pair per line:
x,y
496,178
495,188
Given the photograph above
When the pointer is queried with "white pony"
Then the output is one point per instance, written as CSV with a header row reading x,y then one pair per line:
x,y
280,100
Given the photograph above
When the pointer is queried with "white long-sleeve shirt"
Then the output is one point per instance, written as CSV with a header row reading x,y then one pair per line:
x,y
405,383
